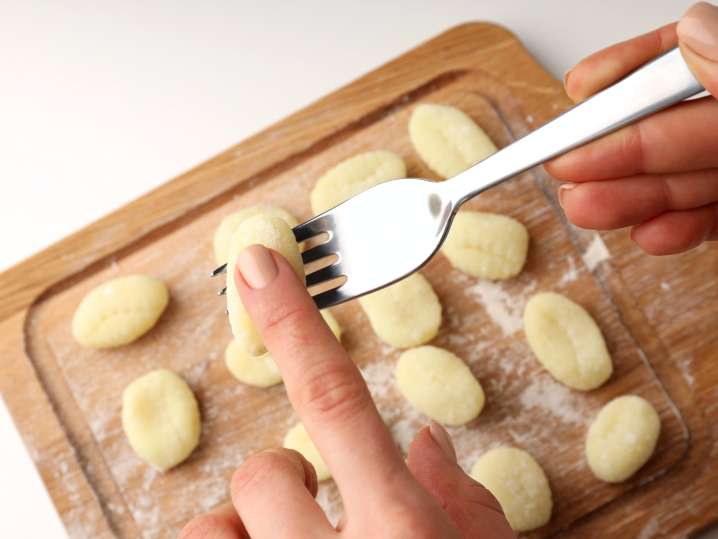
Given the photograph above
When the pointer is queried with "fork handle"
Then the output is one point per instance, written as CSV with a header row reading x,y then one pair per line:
x,y
653,87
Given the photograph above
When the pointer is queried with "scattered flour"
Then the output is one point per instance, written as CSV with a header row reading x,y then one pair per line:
x,y
650,530
665,286
596,253
330,502
571,274
503,308
554,399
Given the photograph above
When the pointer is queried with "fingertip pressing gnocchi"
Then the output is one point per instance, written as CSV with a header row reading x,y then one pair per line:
x,y
405,314
297,438
119,311
440,385
487,245
519,484
622,438
161,418
447,139
354,175
223,234
567,341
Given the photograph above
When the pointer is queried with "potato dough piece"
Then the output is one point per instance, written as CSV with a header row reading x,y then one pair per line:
x,y
439,385
261,370
160,418
354,175
487,245
567,341
298,439
229,224
447,140
518,483
119,311
273,233
405,314
622,438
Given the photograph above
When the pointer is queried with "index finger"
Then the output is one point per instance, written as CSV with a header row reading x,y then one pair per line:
x,y
323,384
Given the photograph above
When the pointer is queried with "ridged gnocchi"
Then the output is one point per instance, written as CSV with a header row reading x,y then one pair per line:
x,y
440,385
622,438
405,314
161,418
354,175
567,341
119,311
519,484
273,233
229,224
297,438
447,139
487,245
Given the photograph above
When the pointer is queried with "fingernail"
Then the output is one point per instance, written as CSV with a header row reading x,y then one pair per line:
x,y
257,266
565,77
698,29
562,189
443,440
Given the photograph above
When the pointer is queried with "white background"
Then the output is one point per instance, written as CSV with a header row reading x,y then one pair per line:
x,y
101,101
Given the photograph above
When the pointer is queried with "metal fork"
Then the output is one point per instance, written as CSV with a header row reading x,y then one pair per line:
x,y
389,231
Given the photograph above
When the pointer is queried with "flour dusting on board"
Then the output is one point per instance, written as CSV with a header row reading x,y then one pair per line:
x,y
504,308
596,253
571,274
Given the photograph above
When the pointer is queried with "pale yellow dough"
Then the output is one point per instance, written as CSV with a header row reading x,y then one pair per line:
x,y
447,140
622,438
519,484
405,314
160,418
297,438
119,311
273,233
229,224
487,245
261,370
439,385
354,175
567,341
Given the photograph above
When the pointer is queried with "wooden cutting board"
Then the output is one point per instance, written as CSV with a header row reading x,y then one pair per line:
x,y
66,399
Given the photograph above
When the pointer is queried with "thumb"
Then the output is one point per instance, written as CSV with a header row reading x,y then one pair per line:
x,y
471,507
698,39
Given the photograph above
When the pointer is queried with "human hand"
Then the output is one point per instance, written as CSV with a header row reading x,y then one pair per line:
x,y
428,496
660,175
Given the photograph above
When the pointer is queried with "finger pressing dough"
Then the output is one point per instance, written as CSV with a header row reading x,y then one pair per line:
x,y
622,438
447,140
405,314
487,245
519,484
119,311
261,370
229,224
567,341
439,385
273,233
354,175
160,418
298,439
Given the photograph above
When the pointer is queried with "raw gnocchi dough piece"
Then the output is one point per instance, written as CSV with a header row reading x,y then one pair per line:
x,y
519,484
273,233
567,341
297,438
447,139
405,314
354,175
622,438
487,245
160,418
119,311
440,385
229,224
261,370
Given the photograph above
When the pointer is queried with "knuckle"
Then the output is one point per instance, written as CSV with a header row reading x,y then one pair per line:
x,y
256,470
290,321
333,391
206,527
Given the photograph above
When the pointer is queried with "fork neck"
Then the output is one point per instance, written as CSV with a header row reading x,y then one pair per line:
x,y
655,86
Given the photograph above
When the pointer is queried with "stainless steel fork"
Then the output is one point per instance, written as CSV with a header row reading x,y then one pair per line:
x,y
389,231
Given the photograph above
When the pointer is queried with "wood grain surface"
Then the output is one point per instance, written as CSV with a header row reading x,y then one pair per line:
x,y
656,315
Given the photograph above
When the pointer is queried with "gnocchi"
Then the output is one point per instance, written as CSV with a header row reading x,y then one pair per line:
x,y
297,438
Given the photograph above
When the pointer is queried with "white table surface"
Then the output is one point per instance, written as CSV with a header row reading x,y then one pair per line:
x,y
102,101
